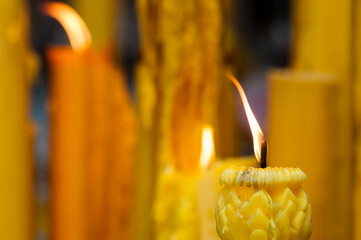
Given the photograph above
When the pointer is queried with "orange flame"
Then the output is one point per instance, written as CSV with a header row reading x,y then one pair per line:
x,y
207,152
73,24
258,137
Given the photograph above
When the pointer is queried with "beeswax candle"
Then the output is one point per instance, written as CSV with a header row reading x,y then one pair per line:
x,y
303,125
314,25
69,141
208,188
263,203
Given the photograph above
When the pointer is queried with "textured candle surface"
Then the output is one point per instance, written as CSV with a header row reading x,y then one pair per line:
x,y
265,203
208,188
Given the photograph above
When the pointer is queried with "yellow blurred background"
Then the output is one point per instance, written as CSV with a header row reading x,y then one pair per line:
x,y
116,118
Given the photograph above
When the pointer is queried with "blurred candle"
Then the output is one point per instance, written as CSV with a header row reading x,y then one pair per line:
x,y
68,149
16,131
314,24
303,132
176,203
208,189
68,127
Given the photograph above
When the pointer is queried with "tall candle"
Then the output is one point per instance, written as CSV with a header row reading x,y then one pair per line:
x,y
16,162
314,24
69,135
304,133
177,77
69,141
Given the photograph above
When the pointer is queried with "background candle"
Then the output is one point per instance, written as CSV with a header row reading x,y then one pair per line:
x,y
304,133
177,78
69,141
17,67
314,24
208,189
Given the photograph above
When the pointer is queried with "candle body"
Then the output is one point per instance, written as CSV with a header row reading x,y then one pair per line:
x,y
175,209
16,165
304,133
208,189
69,140
263,203
177,79
314,24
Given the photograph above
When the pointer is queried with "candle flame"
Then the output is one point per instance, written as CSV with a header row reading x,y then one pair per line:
x,y
73,24
207,152
258,137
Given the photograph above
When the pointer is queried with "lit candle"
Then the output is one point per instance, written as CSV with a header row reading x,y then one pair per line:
x,y
68,127
262,203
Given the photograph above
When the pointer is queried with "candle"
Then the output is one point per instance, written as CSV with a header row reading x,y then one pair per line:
x,y
16,161
69,108
176,203
262,203
177,84
302,108
314,24
68,103
208,188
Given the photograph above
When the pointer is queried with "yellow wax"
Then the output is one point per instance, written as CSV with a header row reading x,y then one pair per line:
x,y
177,87
314,25
263,203
69,143
303,132
175,206
208,189
16,162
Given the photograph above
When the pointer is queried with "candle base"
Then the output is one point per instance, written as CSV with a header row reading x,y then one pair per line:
x,y
263,204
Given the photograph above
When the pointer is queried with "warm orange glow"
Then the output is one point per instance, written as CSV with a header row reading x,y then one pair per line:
x,y
207,152
73,24
258,137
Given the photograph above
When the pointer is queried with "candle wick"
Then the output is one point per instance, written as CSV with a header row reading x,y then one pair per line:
x,y
264,149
